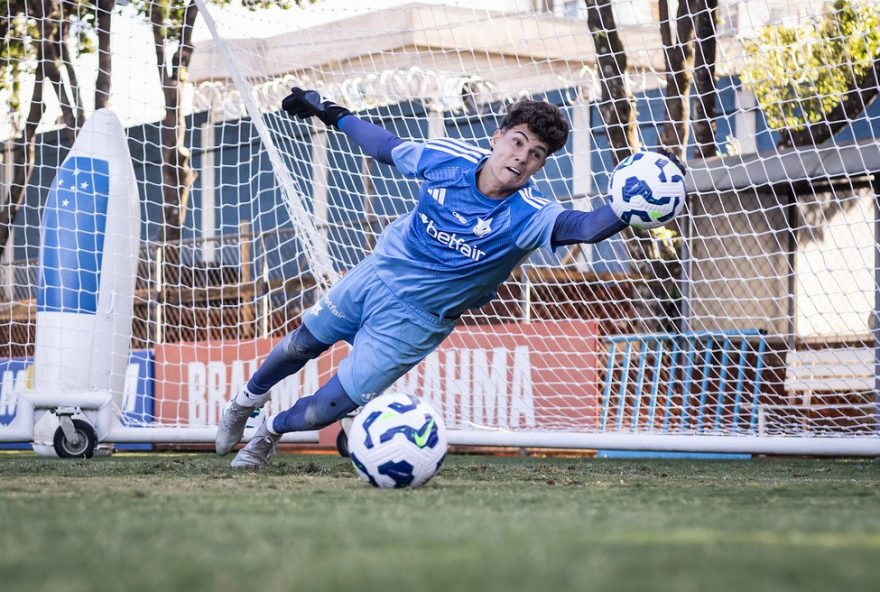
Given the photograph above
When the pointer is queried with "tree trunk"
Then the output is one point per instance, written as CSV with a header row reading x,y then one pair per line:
x,y
25,151
53,36
857,99
79,111
616,107
679,57
23,167
104,8
704,78
619,115
177,175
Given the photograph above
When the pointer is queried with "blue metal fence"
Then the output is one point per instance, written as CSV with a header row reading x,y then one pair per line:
x,y
695,383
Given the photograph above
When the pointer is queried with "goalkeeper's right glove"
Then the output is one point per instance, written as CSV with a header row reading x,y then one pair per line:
x,y
306,103
675,160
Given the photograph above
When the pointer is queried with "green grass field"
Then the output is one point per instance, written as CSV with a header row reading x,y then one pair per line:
x,y
187,522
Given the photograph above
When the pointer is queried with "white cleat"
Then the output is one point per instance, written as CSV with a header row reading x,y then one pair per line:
x,y
258,450
231,428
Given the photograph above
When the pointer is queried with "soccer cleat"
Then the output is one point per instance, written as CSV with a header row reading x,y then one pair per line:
x,y
258,450
231,428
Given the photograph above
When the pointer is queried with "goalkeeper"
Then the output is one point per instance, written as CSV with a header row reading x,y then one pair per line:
x,y
478,216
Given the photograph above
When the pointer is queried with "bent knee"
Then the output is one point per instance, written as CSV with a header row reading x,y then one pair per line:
x,y
302,345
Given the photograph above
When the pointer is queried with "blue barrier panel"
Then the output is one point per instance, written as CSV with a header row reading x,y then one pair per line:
x,y
708,373
640,385
655,384
688,373
137,405
13,379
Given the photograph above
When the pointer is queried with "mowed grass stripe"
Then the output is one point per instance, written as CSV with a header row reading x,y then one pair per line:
x,y
189,522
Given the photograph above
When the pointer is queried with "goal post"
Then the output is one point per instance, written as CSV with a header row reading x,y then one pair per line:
x,y
748,325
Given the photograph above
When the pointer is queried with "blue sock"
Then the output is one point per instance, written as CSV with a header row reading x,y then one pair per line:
x,y
331,403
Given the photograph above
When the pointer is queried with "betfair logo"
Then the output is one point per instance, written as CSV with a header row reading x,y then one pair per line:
x,y
451,241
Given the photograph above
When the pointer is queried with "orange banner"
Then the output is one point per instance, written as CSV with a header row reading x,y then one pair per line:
x,y
514,375
540,375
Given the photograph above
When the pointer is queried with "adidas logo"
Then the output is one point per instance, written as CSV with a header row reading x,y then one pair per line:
x,y
439,195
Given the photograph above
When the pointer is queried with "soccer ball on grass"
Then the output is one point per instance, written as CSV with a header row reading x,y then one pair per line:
x,y
647,190
397,440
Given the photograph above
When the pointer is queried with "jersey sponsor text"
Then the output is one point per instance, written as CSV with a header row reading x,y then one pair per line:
x,y
451,241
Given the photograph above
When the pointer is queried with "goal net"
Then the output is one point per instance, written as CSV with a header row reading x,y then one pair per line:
x,y
747,325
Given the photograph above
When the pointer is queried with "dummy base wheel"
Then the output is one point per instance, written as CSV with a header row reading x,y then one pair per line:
x,y
82,445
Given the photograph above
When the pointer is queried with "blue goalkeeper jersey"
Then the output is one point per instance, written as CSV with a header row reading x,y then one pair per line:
x,y
457,246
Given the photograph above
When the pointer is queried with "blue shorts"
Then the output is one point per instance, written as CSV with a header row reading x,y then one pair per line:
x,y
388,337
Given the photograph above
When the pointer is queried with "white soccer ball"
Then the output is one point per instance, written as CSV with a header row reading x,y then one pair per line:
x,y
397,440
647,190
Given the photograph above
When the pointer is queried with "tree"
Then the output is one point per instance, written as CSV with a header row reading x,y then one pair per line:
x,y
102,31
689,47
172,24
616,106
688,54
678,53
37,37
37,40
705,53
812,78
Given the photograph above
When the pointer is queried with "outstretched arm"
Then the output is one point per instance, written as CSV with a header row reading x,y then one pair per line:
x,y
573,226
375,141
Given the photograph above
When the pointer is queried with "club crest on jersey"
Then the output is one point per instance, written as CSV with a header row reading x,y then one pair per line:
x,y
483,227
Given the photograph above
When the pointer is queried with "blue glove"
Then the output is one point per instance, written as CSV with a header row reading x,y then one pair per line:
x,y
307,103
675,160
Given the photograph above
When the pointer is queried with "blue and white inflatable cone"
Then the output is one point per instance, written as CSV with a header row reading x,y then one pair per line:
x,y
90,236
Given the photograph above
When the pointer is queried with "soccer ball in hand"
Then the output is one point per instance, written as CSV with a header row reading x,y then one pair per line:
x,y
647,190
397,440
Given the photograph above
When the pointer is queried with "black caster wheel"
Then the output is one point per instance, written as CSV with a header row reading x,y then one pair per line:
x,y
342,443
83,447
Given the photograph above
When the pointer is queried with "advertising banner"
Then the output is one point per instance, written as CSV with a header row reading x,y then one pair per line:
x,y
194,380
515,375
17,376
539,375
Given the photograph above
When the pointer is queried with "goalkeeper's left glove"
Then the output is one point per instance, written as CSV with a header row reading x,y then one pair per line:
x,y
675,160
306,103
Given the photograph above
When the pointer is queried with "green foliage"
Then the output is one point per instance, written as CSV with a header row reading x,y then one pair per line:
x,y
174,11
798,73
16,52
21,31
18,48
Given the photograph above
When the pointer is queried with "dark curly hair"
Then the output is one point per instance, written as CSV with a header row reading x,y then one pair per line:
x,y
543,119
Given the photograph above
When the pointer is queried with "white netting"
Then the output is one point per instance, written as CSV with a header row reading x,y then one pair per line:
x,y
754,314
